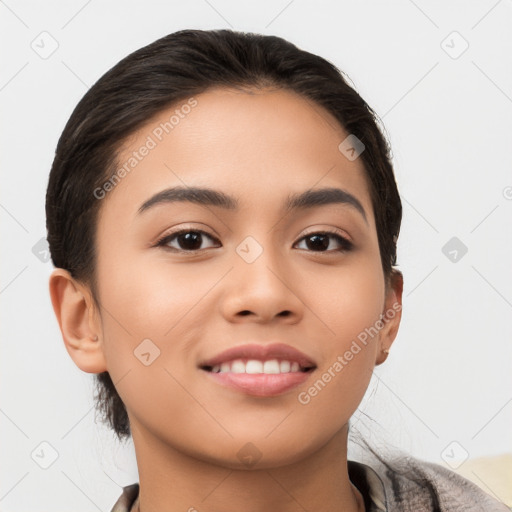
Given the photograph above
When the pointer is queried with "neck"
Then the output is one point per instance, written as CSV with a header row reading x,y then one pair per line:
x,y
171,480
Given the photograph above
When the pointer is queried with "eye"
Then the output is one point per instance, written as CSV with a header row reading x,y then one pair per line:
x,y
187,239
321,241
190,240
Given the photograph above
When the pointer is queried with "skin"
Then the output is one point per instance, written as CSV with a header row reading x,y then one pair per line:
x,y
258,146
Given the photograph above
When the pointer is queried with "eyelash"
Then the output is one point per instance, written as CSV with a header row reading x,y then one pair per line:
x,y
345,244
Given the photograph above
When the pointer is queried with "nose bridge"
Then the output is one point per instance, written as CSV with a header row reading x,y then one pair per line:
x,y
261,280
259,260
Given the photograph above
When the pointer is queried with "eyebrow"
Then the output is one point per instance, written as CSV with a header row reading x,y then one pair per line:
x,y
210,197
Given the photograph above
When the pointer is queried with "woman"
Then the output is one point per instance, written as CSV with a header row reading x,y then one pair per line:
x,y
223,216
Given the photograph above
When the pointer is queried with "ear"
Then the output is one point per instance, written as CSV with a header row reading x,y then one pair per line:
x,y
392,315
78,321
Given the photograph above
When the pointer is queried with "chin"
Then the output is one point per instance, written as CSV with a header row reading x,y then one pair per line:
x,y
259,454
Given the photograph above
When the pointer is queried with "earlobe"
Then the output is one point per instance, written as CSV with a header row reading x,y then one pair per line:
x,y
74,308
392,315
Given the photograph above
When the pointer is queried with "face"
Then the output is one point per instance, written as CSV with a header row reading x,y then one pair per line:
x,y
302,285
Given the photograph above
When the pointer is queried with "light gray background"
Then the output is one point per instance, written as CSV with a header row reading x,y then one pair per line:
x,y
445,392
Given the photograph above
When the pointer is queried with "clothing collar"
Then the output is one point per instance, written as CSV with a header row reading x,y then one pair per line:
x,y
361,475
369,484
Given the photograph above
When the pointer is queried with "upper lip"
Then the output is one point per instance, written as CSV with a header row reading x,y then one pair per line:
x,y
279,351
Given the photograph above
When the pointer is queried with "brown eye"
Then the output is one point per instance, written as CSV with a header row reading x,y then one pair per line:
x,y
320,242
186,240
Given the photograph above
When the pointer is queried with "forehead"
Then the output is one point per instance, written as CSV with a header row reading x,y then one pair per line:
x,y
256,145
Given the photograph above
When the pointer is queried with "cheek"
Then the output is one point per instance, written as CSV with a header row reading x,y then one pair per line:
x,y
349,299
150,312
340,382
150,300
351,309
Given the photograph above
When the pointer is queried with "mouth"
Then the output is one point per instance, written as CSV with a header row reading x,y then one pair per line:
x,y
260,370
256,366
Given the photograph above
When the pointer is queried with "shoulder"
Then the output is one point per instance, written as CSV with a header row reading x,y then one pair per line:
x,y
411,484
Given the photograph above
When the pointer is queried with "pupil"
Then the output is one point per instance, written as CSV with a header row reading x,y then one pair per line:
x,y
190,241
320,242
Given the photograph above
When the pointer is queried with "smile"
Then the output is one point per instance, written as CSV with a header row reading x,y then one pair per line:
x,y
254,366
259,370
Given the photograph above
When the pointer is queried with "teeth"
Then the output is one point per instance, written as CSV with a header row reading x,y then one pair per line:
x,y
273,366
238,367
284,366
254,366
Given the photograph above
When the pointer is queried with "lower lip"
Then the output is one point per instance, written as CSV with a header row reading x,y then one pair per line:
x,y
261,384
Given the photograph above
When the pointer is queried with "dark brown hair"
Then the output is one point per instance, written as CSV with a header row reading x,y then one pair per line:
x,y
170,70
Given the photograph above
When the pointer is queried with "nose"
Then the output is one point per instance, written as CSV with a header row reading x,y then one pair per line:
x,y
263,291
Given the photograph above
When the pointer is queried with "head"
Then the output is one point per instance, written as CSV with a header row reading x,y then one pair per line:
x,y
260,121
